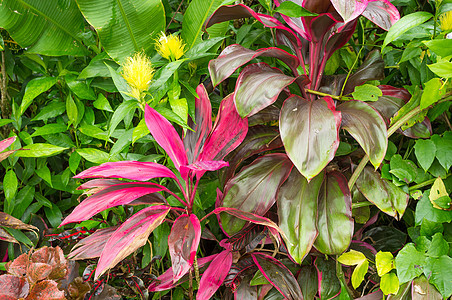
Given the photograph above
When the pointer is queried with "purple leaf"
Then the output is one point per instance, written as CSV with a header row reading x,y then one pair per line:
x,y
183,242
228,132
234,56
130,236
202,125
115,195
207,165
334,220
310,133
254,189
278,275
297,212
389,198
214,275
93,245
368,128
381,13
6,143
134,170
245,267
166,136
248,238
258,86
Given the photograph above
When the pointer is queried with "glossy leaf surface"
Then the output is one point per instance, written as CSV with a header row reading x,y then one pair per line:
x,y
329,285
183,242
366,125
297,212
310,133
334,221
254,189
258,86
93,245
214,275
130,236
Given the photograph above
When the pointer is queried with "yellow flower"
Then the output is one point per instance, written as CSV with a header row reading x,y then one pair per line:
x,y
138,72
445,21
170,47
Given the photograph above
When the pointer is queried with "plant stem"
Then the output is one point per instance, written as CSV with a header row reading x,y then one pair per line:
x,y
4,100
425,183
327,95
361,204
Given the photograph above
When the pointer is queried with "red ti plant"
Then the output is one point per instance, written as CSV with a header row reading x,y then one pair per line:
x,y
199,151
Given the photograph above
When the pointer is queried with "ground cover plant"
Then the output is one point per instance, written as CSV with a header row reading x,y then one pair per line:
x,y
262,150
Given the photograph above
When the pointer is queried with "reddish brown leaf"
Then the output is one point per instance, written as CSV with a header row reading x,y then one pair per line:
x,y
46,290
13,287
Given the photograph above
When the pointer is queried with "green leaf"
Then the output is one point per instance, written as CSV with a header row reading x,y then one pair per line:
x,y
4,122
404,170
425,209
94,155
352,258
432,92
442,274
409,263
43,200
384,262
79,87
94,131
172,117
165,73
120,83
439,246
54,215
366,92
45,27
71,110
442,69
437,191
10,184
124,109
294,10
404,24
49,129
425,151
102,103
44,173
34,88
51,110
74,161
139,131
126,26
39,150
389,284
358,273
124,141
23,200
413,103
444,149
442,47
194,17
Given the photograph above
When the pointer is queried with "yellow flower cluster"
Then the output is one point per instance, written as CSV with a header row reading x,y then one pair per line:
x,y
138,72
445,21
170,46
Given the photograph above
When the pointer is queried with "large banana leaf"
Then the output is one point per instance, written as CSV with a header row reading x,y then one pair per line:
x,y
49,27
125,26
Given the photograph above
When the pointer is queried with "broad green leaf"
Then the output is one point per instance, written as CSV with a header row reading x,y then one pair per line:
x,y
352,258
54,215
334,216
94,131
50,111
10,184
437,191
34,88
120,83
39,150
425,210
71,111
200,49
404,170
196,14
49,129
49,27
139,131
43,200
389,284
384,261
444,149
102,103
409,263
309,131
79,87
125,27
308,281
442,47
404,24
4,122
366,125
442,69
358,273
384,194
74,161
291,9
165,73
124,141
124,109
23,199
425,151
442,274
44,173
433,92
439,246
94,155
297,211
367,92
329,285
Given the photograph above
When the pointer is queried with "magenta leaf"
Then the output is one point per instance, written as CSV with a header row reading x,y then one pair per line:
x,y
368,128
183,242
297,212
334,220
6,143
257,87
207,165
228,132
130,236
381,13
134,170
254,189
214,275
234,56
349,9
99,183
239,277
278,275
202,125
166,136
115,195
310,133
93,245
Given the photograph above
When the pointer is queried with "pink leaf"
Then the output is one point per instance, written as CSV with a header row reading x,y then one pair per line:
x,y
214,276
114,195
166,136
133,170
382,13
93,245
183,242
212,165
130,236
99,183
6,143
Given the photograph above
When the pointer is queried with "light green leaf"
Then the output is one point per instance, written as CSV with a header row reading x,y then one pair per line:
x,y
49,129
437,191
139,131
102,103
163,74
44,173
439,246
358,273
404,24
48,27
79,87
291,9
124,140
409,263
94,131
442,47
444,149
352,258
94,155
10,184
3,122
120,83
442,275
425,151
50,111
442,69
71,110
384,262
125,26
34,88
74,161
389,284
432,92
39,150
120,113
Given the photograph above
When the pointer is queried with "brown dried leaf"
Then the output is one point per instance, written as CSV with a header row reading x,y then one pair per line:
x,y
11,222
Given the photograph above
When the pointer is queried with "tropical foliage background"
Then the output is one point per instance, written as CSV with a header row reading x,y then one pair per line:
x,y
285,149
